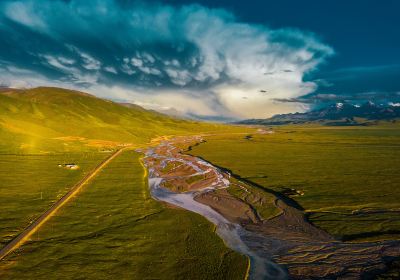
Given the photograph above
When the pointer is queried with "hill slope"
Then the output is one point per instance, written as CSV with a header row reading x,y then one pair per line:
x,y
47,119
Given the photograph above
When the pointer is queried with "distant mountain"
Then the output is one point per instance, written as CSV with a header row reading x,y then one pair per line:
x,y
336,114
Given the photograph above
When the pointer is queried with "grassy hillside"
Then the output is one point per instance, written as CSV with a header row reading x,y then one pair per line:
x,y
47,119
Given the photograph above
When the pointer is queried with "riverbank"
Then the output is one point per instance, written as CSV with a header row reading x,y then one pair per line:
x,y
285,242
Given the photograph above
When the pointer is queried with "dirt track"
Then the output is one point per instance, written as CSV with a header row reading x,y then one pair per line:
x,y
35,225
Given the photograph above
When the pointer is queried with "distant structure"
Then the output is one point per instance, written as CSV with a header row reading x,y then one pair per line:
x,y
263,131
71,166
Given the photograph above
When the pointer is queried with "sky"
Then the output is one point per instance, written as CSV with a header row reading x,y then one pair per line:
x,y
216,60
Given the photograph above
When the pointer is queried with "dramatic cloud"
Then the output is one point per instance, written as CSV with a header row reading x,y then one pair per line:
x,y
317,100
194,60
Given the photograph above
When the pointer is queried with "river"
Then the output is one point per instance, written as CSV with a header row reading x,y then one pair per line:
x,y
234,235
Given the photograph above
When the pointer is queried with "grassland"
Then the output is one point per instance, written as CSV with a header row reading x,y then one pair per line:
x,y
30,184
339,170
113,229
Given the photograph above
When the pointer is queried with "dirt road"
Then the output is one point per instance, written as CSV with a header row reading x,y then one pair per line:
x,y
35,225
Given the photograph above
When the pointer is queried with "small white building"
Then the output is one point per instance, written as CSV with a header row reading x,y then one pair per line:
x,y
71,166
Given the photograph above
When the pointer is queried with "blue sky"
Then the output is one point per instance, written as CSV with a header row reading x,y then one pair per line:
x,y
209,59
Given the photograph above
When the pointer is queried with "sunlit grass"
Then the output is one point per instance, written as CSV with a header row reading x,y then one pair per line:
x,y
114,230
30,184
41,120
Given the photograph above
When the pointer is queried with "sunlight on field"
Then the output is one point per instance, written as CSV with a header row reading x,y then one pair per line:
x,y
111,230
30,184
43,120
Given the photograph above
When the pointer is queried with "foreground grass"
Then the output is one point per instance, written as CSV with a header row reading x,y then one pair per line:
x,y
30,184
338,169
113,229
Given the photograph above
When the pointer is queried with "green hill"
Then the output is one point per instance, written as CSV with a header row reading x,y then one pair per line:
x,y
52,119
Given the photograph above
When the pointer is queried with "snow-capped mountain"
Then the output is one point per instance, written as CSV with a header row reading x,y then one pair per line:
x,y
341,113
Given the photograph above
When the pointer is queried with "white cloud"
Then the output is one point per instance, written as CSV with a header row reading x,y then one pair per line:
x,y
56,63
159,99
90,63
136,62
177,56
178,77
23,13
151,71
249,102
15,77
148,58
126,68
74,75
65,60
110,69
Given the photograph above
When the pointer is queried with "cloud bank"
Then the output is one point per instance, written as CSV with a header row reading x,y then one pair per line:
x,y
195,60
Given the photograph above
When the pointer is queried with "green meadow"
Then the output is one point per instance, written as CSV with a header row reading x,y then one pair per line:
x,y
338,170
114,230
345,178
30,184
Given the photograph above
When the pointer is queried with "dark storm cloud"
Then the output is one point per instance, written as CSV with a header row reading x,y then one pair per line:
x,y
114,47
317,100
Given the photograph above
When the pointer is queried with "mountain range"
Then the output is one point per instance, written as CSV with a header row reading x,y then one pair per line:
x,y
336,114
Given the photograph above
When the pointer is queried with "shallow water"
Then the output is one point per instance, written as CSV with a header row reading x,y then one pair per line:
x,y
233,235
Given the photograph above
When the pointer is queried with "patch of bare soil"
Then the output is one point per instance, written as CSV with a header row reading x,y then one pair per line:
x,y
233,209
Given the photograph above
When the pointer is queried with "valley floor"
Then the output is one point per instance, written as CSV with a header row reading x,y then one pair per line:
x,y
319,202
287,238
114,229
